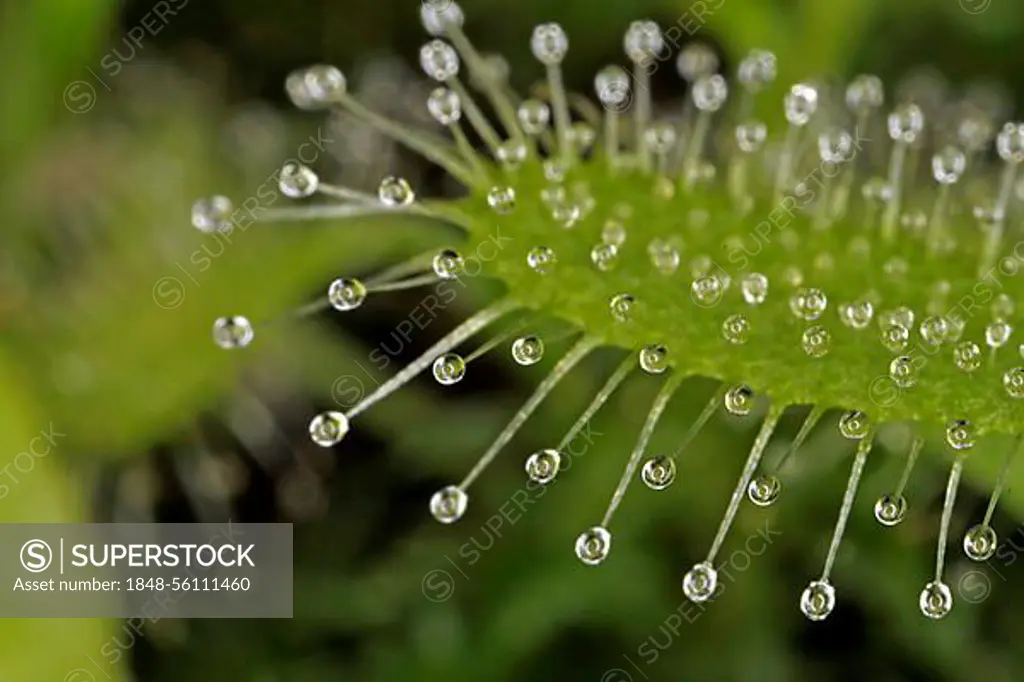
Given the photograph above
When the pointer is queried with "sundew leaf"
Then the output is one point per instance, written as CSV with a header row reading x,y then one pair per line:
x,y
784,270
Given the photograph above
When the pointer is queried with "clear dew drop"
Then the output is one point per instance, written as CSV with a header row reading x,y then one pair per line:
x,y
696,59
658,472
739,400
604,256
346,294
754,287
613,232
502,200
864,94
660,137
445,106
967,356
541,260
611,84
593,545
527,350
948,165
439,60
316,86
297,181
295,88
895,337
757,70
736,329
621,306
818,600
643,40
534,116
854,425
449,369
835,146
1013,382
664,256
1010,143
763,490
709,92
328,428
936,600
654,359
700,582
750,136
232,332
934,330
997,334
857,315
448,504
449,264
542,466
816,341
549,43
437,16
890,509
800,104
960,435
707,290
980,542
566,213
902,316
511,154
213,214
808,304
395,192
903,372
1002,308
905,123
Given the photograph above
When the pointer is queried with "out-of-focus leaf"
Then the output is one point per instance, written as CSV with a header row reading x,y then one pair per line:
x,y
44,45
41,490
149,367
810,39
121,341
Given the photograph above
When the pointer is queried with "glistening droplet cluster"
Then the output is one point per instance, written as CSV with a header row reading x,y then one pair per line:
x,y
788,261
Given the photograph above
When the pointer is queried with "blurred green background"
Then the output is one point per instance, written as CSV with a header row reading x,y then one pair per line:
x,y
107,296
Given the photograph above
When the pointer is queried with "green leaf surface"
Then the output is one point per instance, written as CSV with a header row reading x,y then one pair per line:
x,y
43,490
